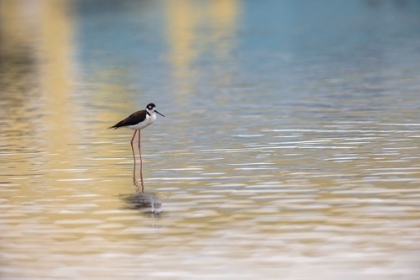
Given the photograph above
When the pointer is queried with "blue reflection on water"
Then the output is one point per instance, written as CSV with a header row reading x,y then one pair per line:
x,y
271,47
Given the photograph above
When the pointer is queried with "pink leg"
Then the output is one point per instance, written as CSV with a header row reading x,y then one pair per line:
x,y
141,164
134,155
137,188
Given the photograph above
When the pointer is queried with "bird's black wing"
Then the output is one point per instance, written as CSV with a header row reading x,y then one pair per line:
x,y
133,119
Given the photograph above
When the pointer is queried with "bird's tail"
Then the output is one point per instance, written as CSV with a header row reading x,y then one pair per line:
x,y
114,126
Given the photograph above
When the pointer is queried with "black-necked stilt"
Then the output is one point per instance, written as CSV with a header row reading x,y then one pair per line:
x,y
137,121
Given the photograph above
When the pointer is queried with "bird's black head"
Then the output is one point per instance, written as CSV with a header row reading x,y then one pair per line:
x,y
150,106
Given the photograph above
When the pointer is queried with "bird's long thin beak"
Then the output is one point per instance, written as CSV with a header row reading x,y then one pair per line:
x,y
159,113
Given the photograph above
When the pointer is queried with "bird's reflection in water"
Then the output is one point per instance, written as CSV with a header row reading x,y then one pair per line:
x,y
147,203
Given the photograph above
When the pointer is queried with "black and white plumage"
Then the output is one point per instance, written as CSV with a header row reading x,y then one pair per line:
x,y
137,121
140,119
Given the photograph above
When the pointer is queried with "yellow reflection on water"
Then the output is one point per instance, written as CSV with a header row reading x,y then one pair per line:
x,y
194,28
57,86
37,82
183,17
16,37
14,31
224,15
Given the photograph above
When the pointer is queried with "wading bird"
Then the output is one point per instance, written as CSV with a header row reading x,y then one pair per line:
x,y
137,121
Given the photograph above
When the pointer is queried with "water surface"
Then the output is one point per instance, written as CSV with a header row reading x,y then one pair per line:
x,y
290,147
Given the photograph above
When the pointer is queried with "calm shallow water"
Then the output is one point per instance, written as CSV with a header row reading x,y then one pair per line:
x,y
290,147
